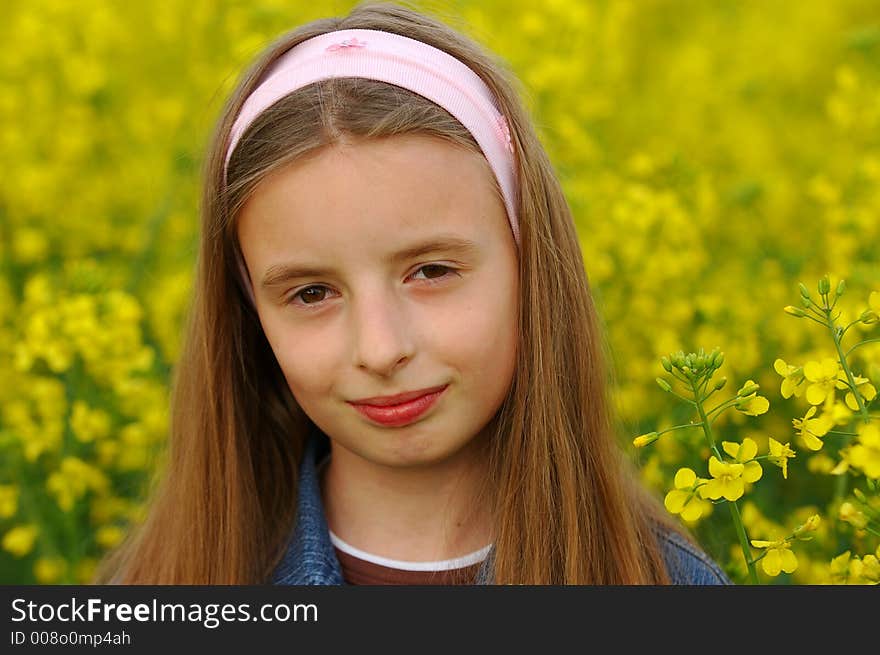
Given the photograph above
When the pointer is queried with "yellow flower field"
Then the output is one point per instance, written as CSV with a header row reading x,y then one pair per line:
x,y
715,154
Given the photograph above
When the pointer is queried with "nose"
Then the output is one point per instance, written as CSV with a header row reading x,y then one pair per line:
x,y
383,333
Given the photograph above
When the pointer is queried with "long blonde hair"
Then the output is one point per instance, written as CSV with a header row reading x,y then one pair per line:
x,y
568,507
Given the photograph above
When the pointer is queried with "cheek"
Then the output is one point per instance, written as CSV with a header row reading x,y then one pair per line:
x,y
481,335
307,361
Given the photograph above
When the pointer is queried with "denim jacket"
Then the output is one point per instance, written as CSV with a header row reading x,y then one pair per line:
x,y
310,558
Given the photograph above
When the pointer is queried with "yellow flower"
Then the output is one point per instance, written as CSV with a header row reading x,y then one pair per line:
x,y
778,557
863,386
808,526
820,463
745,454
840,414
89,424
865,453
867,569
754,406
779,455
84,572
20,540
823,379
8,500
839,567
750,403
855,517
792,378
810,429
684,499
49,570
109,536
727,480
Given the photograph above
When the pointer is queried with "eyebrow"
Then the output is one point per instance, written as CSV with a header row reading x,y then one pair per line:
x,y
280,273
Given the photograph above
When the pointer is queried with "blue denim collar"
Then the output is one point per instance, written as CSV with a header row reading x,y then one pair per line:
x,y
311,558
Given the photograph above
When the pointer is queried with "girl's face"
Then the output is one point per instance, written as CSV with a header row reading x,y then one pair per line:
x,y
382,267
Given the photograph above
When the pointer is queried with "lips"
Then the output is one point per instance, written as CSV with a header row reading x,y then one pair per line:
x,y
397,399
400,409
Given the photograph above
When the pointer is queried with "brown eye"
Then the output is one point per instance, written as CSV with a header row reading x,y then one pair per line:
x,y
438,271
435,271
311,295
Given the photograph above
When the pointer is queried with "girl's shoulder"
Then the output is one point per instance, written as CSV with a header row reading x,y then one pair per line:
x,y
686,563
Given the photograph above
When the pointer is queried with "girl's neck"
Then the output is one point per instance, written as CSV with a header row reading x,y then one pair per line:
x,y
415,515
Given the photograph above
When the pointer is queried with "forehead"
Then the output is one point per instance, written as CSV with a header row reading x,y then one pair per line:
x,y
372,193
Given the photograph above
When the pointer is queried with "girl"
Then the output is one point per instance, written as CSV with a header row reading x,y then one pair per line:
x,y
394,371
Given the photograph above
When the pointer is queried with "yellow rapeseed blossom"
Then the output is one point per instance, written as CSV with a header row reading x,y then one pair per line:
x,y
839,567
865,570
72,480
820,463
822,377
89,424
84,571
684,499
863,386
108,536
805,530
727,480
48,570
792,378
865,453
745,454
750,402
810,429
8,500
780,454
20,540
852,515
778,556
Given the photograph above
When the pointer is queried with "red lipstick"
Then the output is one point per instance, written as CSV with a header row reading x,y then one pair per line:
x,y
399,409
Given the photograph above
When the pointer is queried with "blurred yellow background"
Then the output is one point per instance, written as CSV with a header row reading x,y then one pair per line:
x,y
714,153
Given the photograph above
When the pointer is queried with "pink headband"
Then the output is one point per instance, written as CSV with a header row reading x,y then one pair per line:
x,y
401,61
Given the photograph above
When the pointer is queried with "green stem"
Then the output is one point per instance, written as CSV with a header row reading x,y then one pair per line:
x,y
840,487
734,510
859,345
677,395
822,323
678,427
743,541
846,329
727,403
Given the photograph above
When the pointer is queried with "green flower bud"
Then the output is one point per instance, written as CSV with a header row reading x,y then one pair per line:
x,y
806,302
810,525
824,285
794,311
718,359
805,293
645,439
869,317
860,495
719,385
663,384
841,287
667,365
748,390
